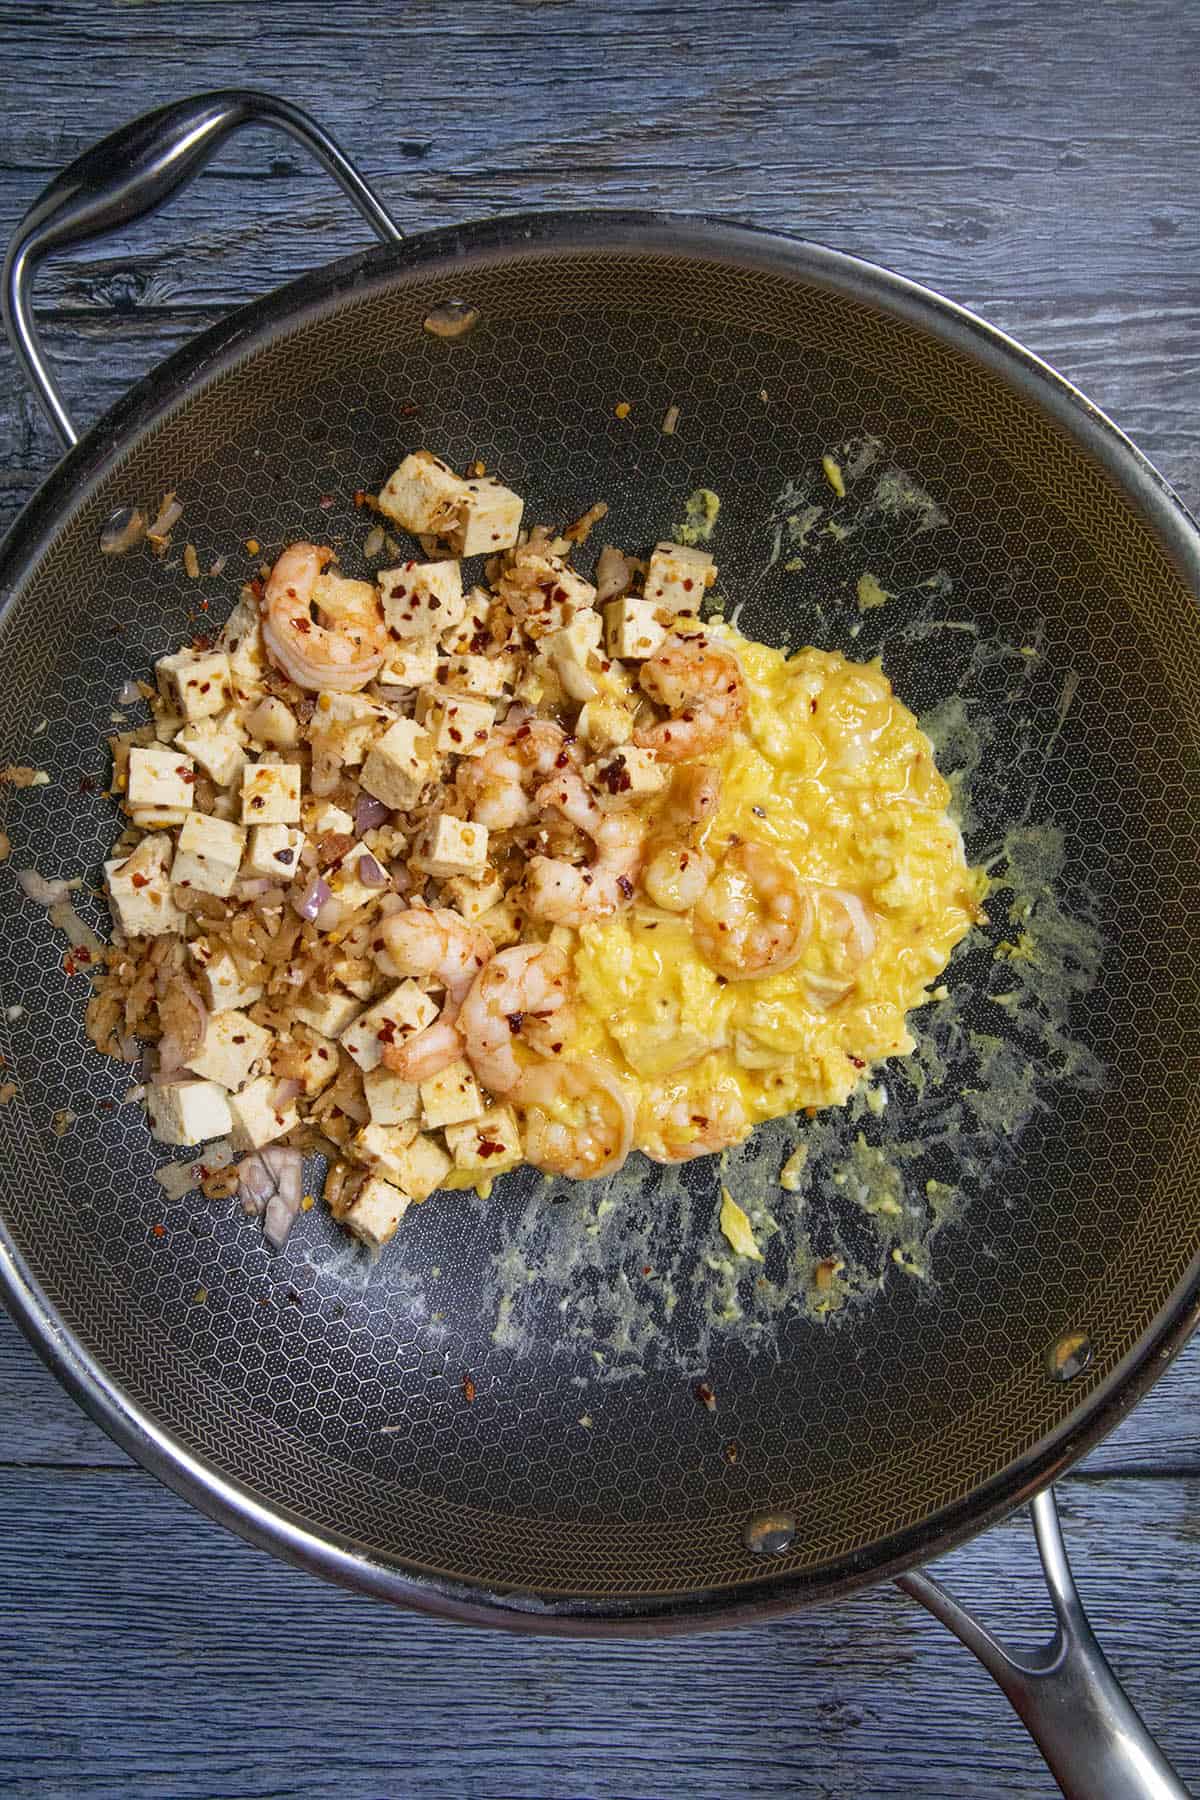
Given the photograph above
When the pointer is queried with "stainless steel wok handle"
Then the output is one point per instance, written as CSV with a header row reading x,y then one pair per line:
x,y
1065,1693
132,172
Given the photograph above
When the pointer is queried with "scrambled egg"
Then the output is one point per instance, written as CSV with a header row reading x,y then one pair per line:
x,y
831,773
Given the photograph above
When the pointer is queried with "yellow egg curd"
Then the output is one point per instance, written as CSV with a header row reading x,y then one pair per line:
x,y
869,893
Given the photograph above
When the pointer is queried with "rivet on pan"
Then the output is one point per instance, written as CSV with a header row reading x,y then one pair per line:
x,y
1069,1356
769,1533
452,319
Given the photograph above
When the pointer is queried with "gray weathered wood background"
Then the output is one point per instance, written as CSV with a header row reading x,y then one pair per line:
x,y
1039,161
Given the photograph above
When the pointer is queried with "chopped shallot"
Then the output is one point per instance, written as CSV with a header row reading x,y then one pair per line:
x,y
36,887
614,573
63,915
130,694
313,898
370,873
369,813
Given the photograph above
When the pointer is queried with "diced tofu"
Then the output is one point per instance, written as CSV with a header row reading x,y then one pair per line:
x,y
677,578
399,765
504,923
241,640
271,724
270,794
397,1016
603,724
275,852
195,682
574,652
220,982
423,494
349,723
487,1145
382,1147
160,778
308,1058
486,677
551,594
216,746
257,1118
139,890
188,1112
157,818
376,1213
410,664
340,597
346,891
489,519
424,1166
422,599
391,1101
464,638
209,855
449,846
231,1045
327,1013
358,975
631,630
322,816
473,898
627,775
450,1097
460,726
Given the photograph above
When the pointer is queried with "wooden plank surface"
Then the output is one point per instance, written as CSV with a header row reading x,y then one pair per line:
x,y
1040,162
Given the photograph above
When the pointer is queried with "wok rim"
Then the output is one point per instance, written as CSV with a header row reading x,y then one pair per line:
x,y
170,384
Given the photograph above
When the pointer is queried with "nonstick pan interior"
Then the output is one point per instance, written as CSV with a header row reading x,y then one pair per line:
x,y
1043,620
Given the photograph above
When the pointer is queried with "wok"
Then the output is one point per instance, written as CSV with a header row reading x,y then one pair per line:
x,y
544,1471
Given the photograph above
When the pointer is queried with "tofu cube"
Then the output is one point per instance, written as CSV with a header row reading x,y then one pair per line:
x,y
241,640
549,594
257,1118
322,816
631,631
376,1213
489,519
350,724
449,846
346,891
209,855
504,923
603,724
271,724
485,677
220,981
625,776
275,852
421,599
308,1058
382,1147
196,683
329,1014
423,1168
403,1011
188,1112
160,778
358,975
450,1097
399,765
467,638
410,664
423,494
574,652
390,1100
487,1145
270,794
139,890
473,898
460,726
231,1045
216,745
157,818
677,578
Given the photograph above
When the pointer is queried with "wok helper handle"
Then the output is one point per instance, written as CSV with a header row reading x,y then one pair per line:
x,y
1064,1693
131,173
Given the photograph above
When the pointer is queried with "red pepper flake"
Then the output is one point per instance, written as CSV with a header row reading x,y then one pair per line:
x,y
857,1061
86,785
326,501
160,1231
487,1147
515,1022
256,587
468,1388
706,1396
139,881
409,410
202,643
646,1269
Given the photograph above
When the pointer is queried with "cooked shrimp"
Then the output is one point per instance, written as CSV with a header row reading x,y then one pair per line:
x,y
578,1119
526,979
756,917
332,638
846,919
438,945
570,894
700,683
497,786
676,876
690,803
678,1125
676,872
